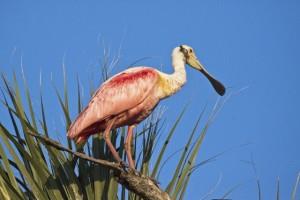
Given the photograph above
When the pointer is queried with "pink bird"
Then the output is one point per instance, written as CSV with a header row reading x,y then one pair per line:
x,y
129,97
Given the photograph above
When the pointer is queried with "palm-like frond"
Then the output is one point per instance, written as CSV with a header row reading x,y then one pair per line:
x,y
33,170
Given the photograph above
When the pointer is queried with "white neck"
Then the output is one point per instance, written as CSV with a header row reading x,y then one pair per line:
x,y
177,79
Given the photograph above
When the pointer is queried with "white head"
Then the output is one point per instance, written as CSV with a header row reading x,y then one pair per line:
x,y
186,54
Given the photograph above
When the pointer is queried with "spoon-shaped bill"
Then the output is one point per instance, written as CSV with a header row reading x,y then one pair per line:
x,y
194,62
219,87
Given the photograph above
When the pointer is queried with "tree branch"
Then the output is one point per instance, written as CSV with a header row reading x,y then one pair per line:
x,y
133,180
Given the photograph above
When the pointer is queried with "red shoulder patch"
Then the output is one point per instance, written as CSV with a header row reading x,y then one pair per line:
x,y
128,77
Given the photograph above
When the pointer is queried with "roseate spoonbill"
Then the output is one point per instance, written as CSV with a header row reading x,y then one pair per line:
x,y
129,97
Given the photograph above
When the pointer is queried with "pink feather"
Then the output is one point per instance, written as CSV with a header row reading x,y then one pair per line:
x,y
129,96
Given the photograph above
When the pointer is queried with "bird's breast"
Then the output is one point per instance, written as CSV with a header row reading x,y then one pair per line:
x,y
168,85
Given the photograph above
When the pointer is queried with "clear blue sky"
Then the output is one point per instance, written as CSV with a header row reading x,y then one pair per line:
x,y
254,45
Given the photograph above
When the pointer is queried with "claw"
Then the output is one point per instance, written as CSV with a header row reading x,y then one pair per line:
x,y
123,165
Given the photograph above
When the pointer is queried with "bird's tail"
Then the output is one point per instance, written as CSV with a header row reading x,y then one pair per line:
x,y
78,129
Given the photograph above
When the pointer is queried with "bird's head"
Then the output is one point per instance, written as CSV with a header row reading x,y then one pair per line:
x,y
191,59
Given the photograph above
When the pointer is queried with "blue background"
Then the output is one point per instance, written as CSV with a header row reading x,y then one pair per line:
x,y
251,46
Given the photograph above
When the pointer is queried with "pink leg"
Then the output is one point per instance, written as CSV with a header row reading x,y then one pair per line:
x,y
128,146
108,142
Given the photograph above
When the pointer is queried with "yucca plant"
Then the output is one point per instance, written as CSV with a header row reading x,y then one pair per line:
x,y
32,166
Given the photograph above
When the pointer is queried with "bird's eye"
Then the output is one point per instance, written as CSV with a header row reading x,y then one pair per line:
x,y
183,50
191,50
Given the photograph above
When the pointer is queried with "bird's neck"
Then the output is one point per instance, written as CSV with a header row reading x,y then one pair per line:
x,y
173,82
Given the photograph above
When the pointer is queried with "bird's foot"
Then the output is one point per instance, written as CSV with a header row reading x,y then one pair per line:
x,y
124,165
128,169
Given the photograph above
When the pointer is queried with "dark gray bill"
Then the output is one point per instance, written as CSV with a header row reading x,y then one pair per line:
x,y
219,87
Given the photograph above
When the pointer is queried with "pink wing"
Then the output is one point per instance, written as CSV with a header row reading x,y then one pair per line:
x,y
118,94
